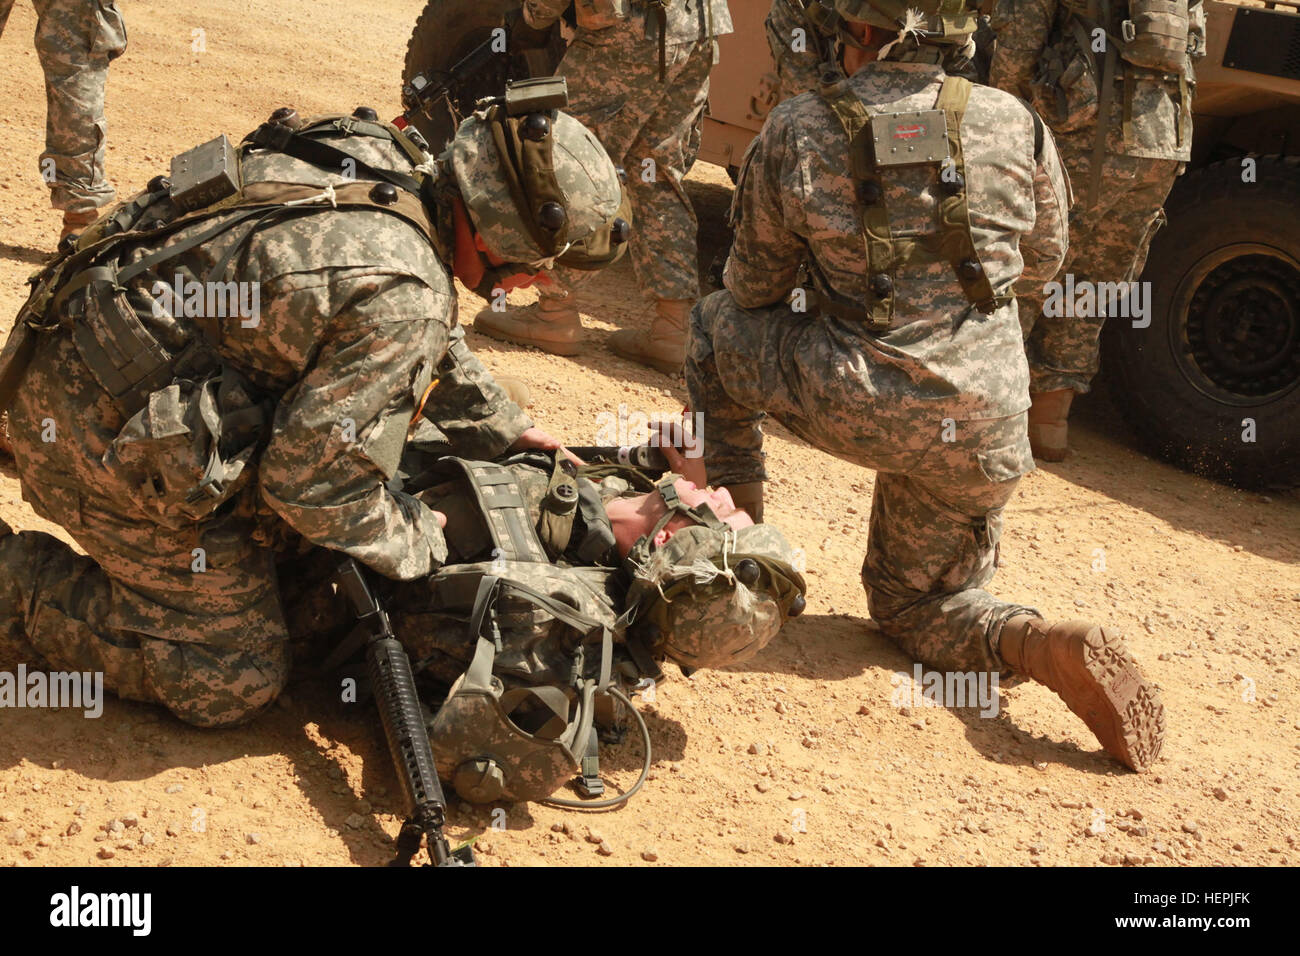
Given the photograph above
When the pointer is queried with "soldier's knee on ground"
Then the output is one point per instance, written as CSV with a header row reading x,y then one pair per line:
x,y
215,687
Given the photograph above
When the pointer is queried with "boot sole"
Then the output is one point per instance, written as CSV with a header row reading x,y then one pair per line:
x,y
551,348
1123,710
659,365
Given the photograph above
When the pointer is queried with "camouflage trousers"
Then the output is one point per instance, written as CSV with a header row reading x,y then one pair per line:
x,y
936,515
646,127
186,614
75,40
1108,243
57,610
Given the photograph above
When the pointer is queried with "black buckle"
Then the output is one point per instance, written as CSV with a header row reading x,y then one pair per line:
x,y
589,783
272,136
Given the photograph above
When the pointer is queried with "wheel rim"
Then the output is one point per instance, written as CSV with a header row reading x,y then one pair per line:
x,y
1240,344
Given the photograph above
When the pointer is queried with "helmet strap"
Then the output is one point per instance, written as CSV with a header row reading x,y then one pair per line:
x,y
700,514
467,261
529,171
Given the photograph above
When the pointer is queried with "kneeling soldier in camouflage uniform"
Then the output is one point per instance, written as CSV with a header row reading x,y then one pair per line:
x,y
911,362
186,447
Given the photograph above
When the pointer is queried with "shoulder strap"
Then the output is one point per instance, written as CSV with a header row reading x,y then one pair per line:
x,y
877,240
955,236
282,139
504,509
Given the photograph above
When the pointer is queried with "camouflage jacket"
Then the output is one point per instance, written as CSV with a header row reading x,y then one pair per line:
x,y
688,20
1025,28
796,201
357,317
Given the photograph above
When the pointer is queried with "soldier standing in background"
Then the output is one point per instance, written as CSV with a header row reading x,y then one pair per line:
x,y
638,76
75,41
800,51
907,356
804,46
1117,122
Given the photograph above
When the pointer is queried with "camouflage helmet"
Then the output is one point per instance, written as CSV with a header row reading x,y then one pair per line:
x,y
712,595
932,21
540,188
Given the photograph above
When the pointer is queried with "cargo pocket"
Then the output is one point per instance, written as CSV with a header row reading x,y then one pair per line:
x,y
110,30
1007,461
187,452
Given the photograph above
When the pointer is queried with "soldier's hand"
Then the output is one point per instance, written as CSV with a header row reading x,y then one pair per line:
x,y
521,35
536,438
692,469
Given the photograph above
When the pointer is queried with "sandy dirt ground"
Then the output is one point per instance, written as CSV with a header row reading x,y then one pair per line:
x,y
812,754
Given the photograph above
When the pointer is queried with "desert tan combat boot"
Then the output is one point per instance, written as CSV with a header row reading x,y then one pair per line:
x,y
1092,671
1048,423
550,324
663,347
515,388
76,222
748,497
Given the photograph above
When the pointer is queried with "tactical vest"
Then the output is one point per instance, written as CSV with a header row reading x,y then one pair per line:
x,y
86,292
547,655
879,142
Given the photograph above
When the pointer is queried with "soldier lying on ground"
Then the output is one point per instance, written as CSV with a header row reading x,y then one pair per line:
x,y
563,590
185,448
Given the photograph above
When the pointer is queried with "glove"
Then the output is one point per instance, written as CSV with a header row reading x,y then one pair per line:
x,y
523,37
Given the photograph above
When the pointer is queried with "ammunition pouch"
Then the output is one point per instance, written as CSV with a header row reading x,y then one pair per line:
x,y
188,450
1157,35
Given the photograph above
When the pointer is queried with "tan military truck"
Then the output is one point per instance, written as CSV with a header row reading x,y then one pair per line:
x,y
1214,381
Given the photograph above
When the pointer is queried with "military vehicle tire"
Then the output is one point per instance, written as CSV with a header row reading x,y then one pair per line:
x,y
1213,383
